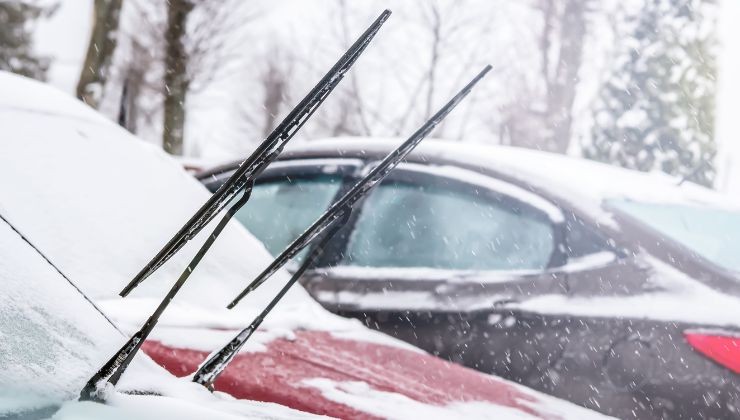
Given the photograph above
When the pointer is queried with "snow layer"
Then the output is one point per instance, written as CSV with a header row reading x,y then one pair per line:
x,y
61,190
475,178
116,201
395,406
47,330
149,407
52,339
682,299
586,184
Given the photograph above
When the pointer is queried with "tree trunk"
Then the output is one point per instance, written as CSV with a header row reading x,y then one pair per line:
x,y
176,78
95,70
562,88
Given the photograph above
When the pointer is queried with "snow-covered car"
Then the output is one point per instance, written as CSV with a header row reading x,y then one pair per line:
x,y
85,205
614,289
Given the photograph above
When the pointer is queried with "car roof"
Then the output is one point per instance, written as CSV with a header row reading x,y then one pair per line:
x,y
584,184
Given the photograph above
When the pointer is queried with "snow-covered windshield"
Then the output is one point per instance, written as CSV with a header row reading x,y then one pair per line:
x,y
712,232
51,337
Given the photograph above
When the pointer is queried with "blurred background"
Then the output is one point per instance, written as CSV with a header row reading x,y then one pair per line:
x,y
645,84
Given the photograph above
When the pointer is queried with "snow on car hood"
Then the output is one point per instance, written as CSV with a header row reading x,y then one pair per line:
x,y
100,203
53,339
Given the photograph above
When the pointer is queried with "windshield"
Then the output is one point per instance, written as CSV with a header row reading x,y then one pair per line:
x,y
711,232
52,338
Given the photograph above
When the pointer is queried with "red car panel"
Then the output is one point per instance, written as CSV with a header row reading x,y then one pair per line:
x,y
277,375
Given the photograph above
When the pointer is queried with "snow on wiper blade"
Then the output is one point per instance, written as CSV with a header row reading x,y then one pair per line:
x,y
241,181
326,226
261,157
358,190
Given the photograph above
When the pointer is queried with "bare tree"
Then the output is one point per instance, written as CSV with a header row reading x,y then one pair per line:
x,y
561,87
544,120
176,80
96,68
174,49
275,79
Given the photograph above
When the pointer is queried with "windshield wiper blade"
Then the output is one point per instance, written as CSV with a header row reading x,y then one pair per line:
x,y
261,157
326,226
241,181
209,371
358,190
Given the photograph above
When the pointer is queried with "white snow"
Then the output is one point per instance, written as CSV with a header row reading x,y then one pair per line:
x,y
728,92
52,340
46,326
597,259
63,38
476,178
435,299
145,407
116,201
431,274
682,299
390,405
586,183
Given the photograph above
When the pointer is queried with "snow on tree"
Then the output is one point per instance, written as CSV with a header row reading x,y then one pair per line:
x,y
655,111
17,20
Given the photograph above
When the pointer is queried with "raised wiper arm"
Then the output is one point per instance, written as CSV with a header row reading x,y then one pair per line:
x,y
261,157
326,226
359,190
209,371
241,181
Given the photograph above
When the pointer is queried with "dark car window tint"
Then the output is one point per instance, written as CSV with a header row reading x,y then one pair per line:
x,y
582,239
279,211
405,225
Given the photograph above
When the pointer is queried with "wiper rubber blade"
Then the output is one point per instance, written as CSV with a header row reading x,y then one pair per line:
x,y
326,226
241,181
209,371
358,190
261,157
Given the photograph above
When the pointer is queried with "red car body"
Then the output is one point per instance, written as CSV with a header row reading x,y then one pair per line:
x,y
278,375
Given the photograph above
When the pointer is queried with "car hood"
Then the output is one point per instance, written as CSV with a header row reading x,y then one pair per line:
x,y
100,203
54,339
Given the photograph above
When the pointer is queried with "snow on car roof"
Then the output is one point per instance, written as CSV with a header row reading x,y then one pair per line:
x,y
585,183
101,203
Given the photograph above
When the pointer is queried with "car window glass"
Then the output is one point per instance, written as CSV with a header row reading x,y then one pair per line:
x,y
52,338
713,233
407,225
280,210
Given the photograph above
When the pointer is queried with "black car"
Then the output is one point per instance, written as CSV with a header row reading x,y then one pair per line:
x,y
614,289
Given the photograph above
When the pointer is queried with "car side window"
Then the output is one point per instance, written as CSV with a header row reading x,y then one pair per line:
x,y
279,210
408,225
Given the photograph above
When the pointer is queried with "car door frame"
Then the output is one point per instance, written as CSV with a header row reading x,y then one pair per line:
x,y
461,316
416,173
299,167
